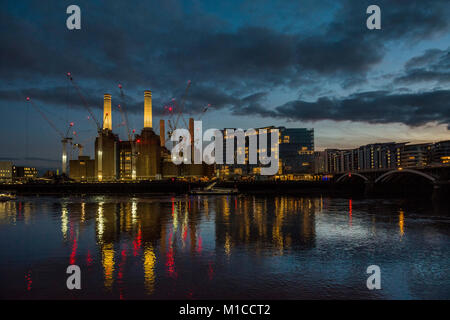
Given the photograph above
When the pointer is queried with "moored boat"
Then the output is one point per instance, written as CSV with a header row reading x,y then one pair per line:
x,y
211,190
214,191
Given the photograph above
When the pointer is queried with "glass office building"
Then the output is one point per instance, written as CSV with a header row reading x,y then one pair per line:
x,y
296,150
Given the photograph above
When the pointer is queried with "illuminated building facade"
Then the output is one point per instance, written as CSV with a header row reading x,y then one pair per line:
x,y
148,146
106,156
379,156
6,171
441,152
382,156
232,170
82,169
341,160
148,162
295,153
319,162
416,155
24,173
296,150
369,157
125,160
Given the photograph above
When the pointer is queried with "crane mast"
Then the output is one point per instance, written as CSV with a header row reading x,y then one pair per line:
x,y
83,99
65,139
123,112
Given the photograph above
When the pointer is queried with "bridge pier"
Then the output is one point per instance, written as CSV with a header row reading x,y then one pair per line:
x,y
440,192
369,188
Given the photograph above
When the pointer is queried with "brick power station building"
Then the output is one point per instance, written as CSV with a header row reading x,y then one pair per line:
x,y
143,158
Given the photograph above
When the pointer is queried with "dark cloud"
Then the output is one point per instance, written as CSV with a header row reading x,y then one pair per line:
x,y
160,45
348,46
372,107
433,65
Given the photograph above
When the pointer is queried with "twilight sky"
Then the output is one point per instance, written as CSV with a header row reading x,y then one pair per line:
x,y
293,63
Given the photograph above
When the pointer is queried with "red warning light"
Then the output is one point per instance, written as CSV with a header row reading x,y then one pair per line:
x,y
118,106
170,108
71,124
74,133
138,140
69,74
120,86
28,98
134,131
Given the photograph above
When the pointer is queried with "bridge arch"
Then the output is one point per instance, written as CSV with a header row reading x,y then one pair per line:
x,y
352,174
389,173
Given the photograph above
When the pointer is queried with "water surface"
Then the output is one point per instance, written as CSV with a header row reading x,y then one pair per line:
x,y
222,247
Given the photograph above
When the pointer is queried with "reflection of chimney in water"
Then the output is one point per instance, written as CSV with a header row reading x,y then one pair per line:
x,y
147,109
107,120
162,132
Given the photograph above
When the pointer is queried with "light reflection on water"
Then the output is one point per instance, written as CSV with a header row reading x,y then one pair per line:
x,y
222,247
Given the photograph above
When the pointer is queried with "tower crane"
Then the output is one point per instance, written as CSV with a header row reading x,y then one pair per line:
x,y
123,112
80,144
65,137
80,147
206,108
91,116
83,99
179,108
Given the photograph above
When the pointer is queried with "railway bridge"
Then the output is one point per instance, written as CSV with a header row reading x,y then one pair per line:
x,y
437,176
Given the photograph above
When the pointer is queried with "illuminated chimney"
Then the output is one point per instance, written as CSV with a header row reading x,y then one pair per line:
x,y
162,132
147,109
107,120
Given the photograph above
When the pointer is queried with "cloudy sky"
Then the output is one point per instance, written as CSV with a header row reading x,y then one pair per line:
x,y
293,63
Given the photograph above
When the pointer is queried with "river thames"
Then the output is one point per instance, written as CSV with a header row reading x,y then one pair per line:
x,y
223,247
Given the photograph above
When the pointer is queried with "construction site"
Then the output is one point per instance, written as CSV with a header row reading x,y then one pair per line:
x,y
143,156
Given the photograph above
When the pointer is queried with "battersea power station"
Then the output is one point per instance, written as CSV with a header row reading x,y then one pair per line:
x,y
142,157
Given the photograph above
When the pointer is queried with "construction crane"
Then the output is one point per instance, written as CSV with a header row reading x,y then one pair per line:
x,y
65,137
206,108
80,144
130,134
179,109
91,116
123,112
80,147
83,99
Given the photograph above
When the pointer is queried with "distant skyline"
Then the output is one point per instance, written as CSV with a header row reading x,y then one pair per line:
x,y
310,64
